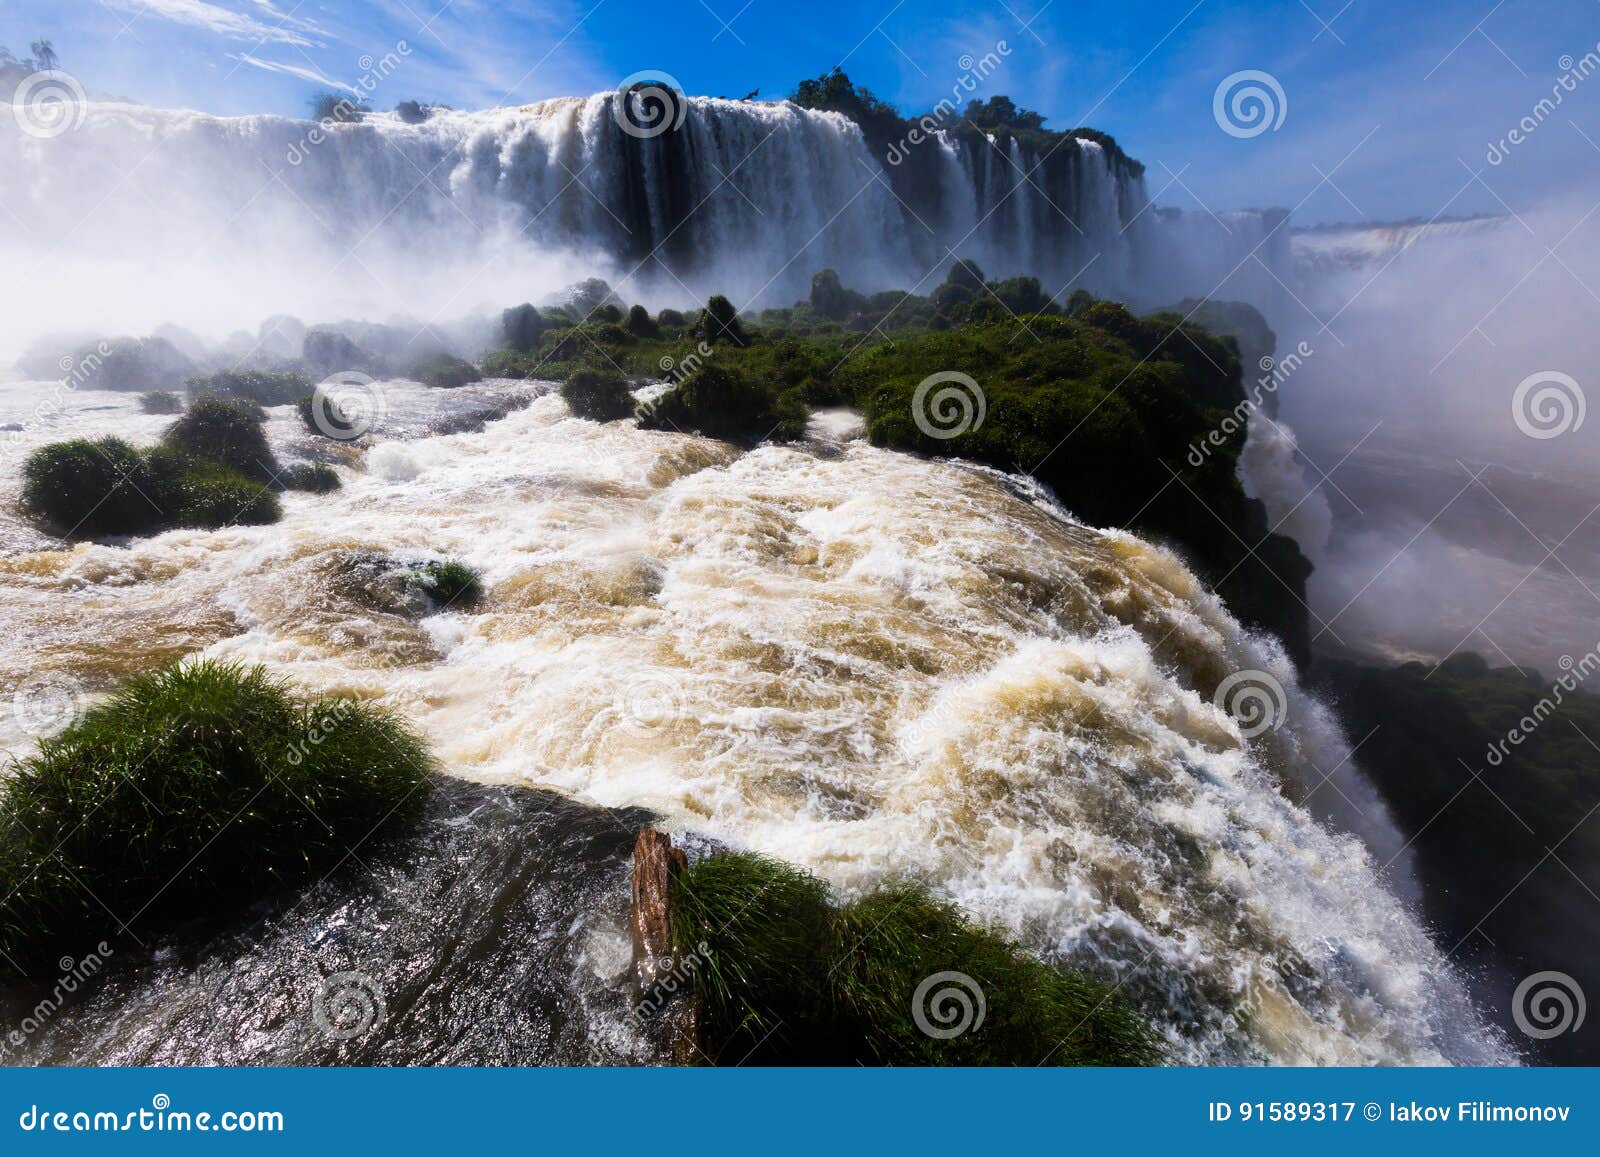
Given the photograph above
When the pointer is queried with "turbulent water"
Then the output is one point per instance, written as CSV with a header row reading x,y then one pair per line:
x,y
140,216
863,662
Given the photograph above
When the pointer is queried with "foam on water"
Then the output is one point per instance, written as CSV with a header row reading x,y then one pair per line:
x,y
863,662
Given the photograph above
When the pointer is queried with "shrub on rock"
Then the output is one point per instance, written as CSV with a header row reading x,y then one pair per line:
x,y
724,403
90,489
598,395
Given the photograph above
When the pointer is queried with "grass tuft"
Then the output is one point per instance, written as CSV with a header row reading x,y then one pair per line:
x,y
791,979
205,784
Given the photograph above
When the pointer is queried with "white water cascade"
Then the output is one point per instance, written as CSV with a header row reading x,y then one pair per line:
x,y
140,216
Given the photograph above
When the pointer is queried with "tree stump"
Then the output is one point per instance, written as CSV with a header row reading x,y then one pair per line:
x,y
663,984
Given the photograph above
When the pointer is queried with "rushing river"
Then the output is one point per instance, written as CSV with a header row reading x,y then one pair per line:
x,y
863,662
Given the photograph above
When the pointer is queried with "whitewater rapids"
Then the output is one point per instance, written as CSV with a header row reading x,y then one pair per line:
x,y
866,663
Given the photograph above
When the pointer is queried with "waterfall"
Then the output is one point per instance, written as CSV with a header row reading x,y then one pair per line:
x,y
142,216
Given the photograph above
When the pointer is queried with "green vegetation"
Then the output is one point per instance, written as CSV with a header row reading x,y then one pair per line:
x,y
720,402
197,788
259,386
889,134
1098,403
444,371
91,489
213,468
598,395
227,433
450,583
520,327
314,477
1486,770
790,979
201,494
160,402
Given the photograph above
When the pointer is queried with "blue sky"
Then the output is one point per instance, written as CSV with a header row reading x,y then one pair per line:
x,y
1390,106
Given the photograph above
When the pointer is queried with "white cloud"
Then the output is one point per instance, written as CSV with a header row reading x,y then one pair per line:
x,y
284,29
303,73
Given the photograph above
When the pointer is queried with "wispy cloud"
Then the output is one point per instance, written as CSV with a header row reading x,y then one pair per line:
x,y
304,73
284,29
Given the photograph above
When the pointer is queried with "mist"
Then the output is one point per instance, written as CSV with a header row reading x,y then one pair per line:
x,y
1459,496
